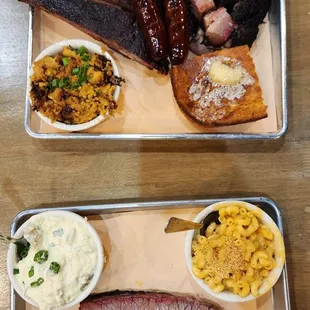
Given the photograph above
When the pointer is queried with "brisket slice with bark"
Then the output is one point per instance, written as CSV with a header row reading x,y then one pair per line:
x,y
132,300
113,26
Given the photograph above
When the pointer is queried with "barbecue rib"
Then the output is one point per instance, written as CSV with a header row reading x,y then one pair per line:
x,y
143,301
111,25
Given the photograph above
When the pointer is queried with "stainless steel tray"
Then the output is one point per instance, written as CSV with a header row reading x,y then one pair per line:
x,y
277,20
280,292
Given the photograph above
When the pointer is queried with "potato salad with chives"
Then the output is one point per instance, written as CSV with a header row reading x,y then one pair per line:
x,y
58,261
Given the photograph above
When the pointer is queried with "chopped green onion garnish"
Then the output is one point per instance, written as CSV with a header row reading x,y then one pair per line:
x,y
82,50
64,82
54,267
41,257
83,74
86,283
75,71
75,85
31,272
37,283
22,249
82,80
83,71
54,83
15,271
61,84
85,57
65,61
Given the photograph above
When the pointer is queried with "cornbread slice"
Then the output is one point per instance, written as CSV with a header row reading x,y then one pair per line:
x,y
246,106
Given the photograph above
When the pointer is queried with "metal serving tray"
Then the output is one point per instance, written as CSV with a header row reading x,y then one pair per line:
x,y
280,292
277,21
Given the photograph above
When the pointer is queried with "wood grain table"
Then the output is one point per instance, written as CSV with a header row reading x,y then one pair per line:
x,y
35,172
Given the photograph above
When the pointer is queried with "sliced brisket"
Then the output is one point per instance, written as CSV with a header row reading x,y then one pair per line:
x,y
143,301
111,25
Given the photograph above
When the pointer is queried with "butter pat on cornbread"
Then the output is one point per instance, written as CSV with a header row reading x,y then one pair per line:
x,y
219,88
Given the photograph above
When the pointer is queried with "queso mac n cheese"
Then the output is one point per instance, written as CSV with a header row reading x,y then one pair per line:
x,y
235,255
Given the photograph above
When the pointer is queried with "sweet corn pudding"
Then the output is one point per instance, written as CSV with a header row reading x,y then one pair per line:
x,y
235,255
74,86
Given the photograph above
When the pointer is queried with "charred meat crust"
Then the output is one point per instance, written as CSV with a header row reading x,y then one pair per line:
x,y
225,3
113,26
253,10
248,15
181,301
244,34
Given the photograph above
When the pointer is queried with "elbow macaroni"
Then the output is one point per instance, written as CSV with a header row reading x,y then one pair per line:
x,y
236,255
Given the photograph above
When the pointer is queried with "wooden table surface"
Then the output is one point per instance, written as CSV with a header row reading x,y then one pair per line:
x,y
35,172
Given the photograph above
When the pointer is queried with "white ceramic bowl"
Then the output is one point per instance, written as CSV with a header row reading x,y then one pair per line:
x,y
12,258
275,273
53,50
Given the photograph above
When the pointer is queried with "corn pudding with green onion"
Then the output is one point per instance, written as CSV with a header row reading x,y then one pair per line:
x,y
74,86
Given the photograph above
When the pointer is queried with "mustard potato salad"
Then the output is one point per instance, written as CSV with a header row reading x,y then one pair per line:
x,y
235,255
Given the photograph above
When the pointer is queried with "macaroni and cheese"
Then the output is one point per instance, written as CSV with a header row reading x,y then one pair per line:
x,y
236,255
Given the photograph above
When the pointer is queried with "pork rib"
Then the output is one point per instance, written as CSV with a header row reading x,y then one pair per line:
x,y
111,25
143,301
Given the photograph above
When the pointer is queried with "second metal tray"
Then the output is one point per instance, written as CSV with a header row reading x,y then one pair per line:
x,y
280,292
